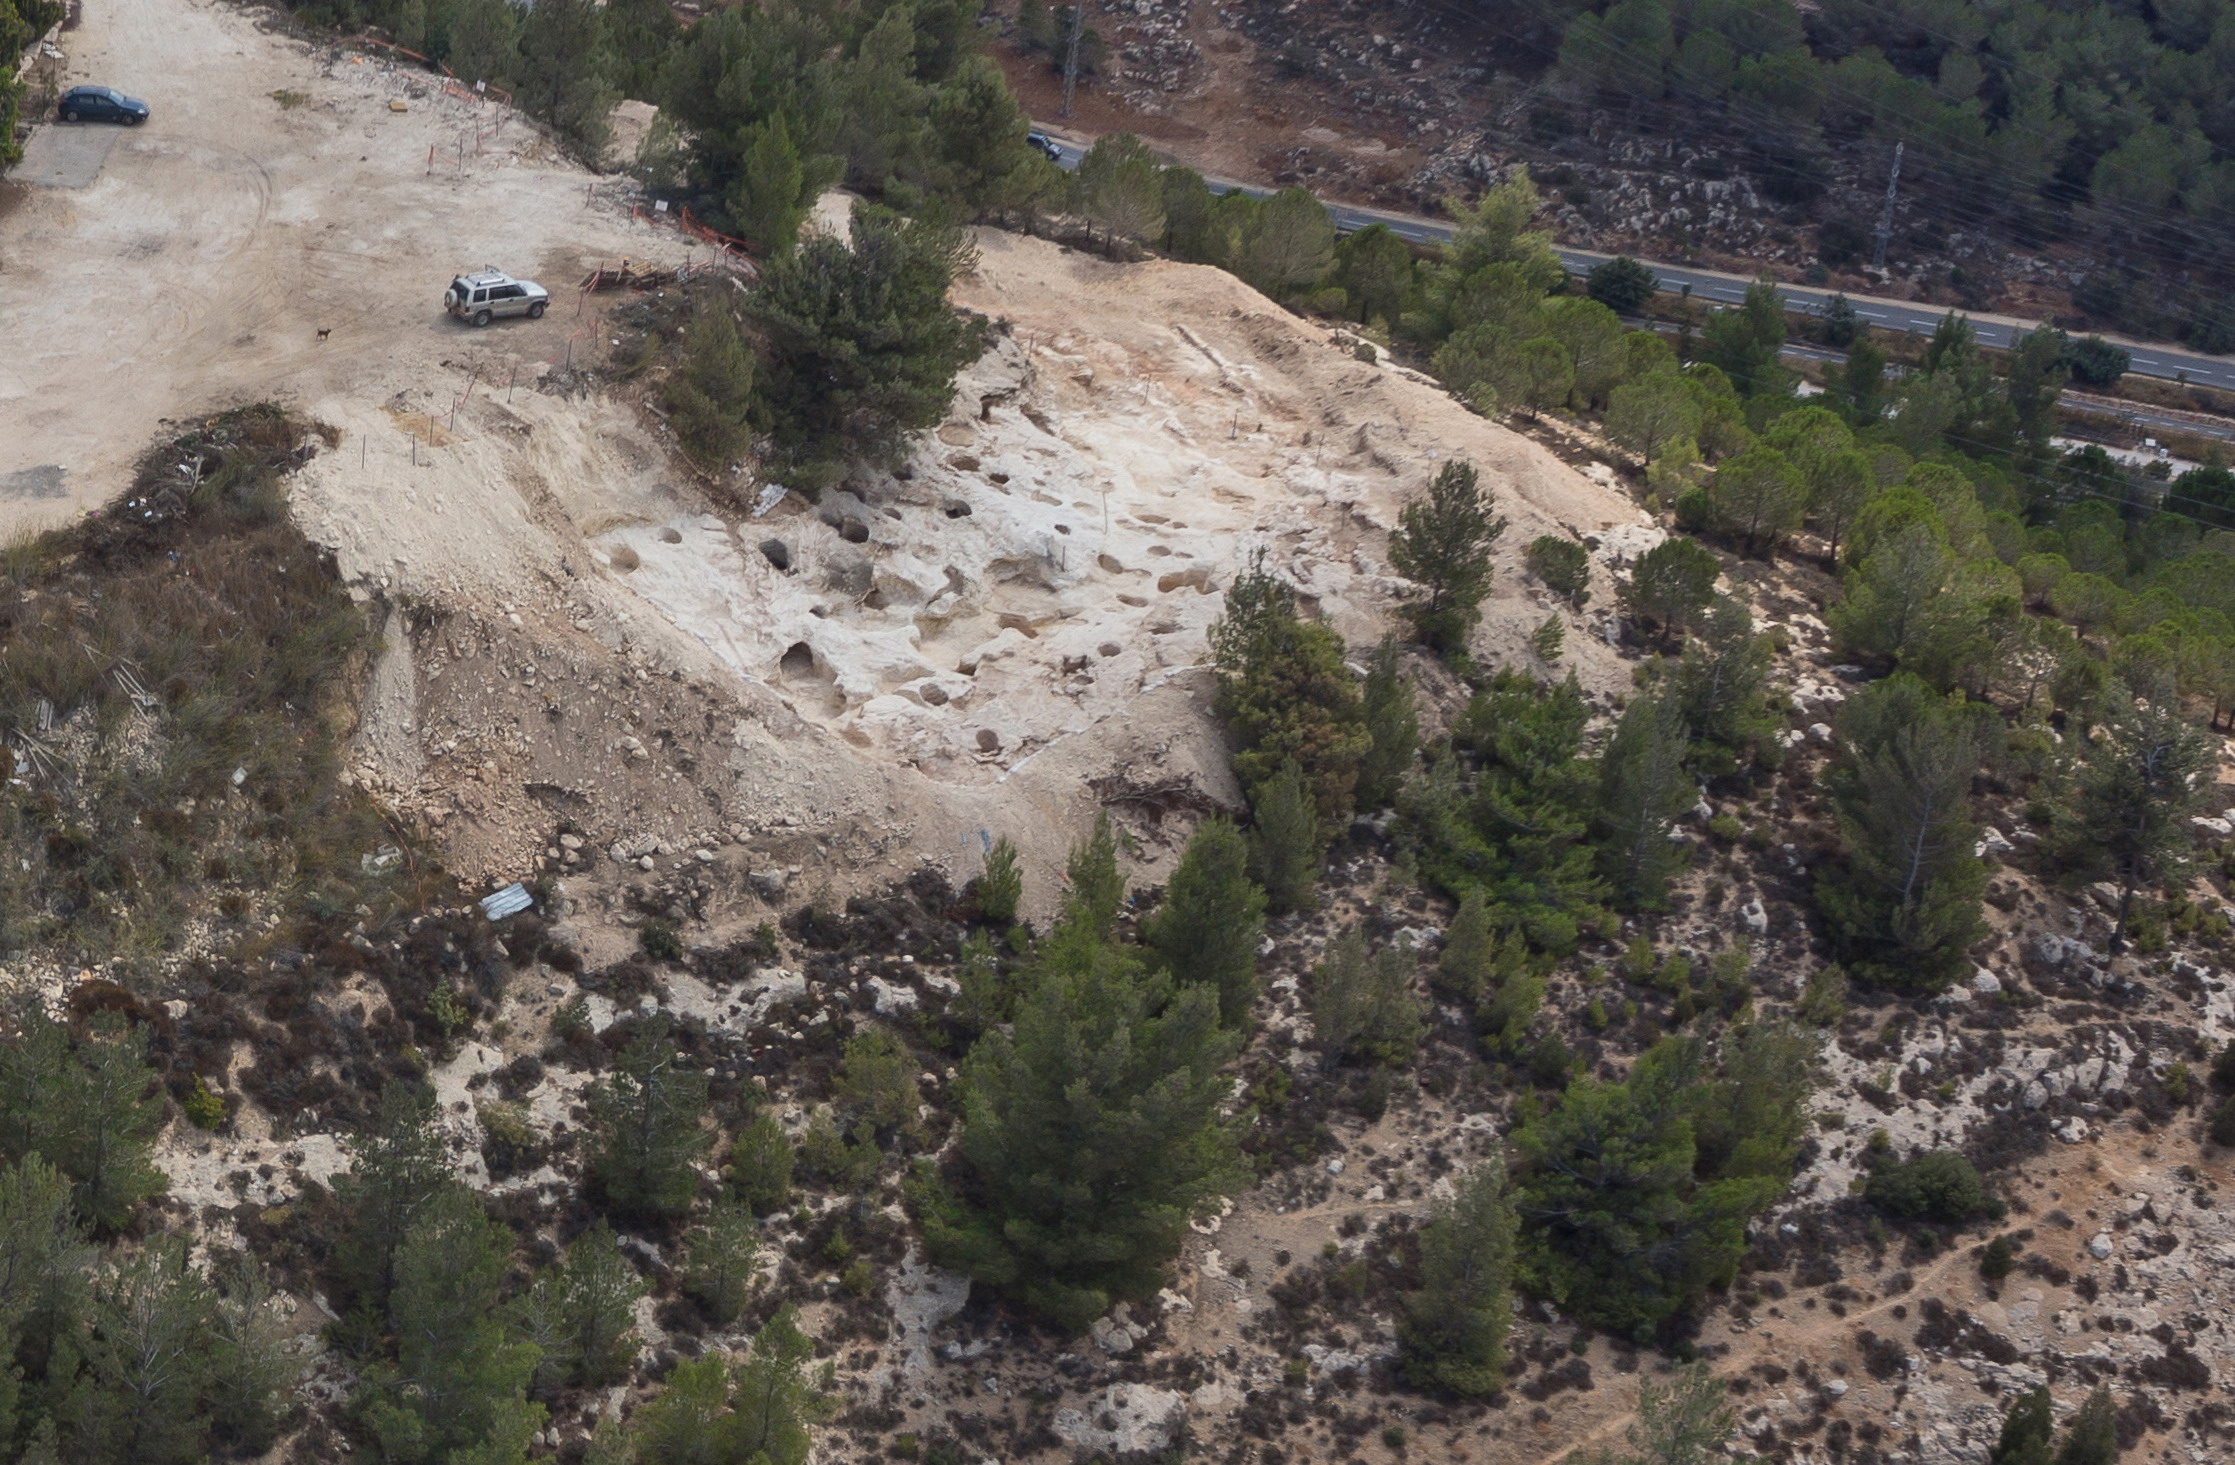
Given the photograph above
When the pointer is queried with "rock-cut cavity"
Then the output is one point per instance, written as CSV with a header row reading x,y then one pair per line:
x,y
777,553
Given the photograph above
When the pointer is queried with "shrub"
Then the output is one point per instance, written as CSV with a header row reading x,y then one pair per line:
x,y
2223,1124
1998,1259
205,1107
1939,1186
1563,565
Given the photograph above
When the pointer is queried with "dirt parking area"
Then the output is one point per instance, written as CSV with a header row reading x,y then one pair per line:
x,y
278,229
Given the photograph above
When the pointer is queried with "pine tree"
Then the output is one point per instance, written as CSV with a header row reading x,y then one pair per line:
x,y
458,1384
1393,725
1684,1420
1096,890
1564,566
775,1399
682,1424
1549,640
882,107
581,1315
87,1106
1092,1134
1000,885
2026,1430
1670,585
1363,1007
1720,683
760,1165
563,67
249,1366
1904,903
2138,781
1452,1334
1642,790
980,159
396,1169
861,345
876,1085
1286,843
718,1261
1470,949
647,1122
1757,496
1287,243
1117,187
2093,1436
712,389
1443,544
1285,693
1213,917
146,1358
44,1262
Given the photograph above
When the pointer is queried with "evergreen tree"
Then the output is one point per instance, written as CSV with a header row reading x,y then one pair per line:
x,y
1904,903
2026,1430
1670,585
147,1347
1286,244
44,1262
980,160
876,1085
1452,1333
2138,781
89,1107
1363,1007
641,34
862,345
711,391
1442,545
1286,842
1757,497
581,1315
1684,1420
457,1388
776,187
1720,684
646,1119
397,1168
1622,285
882,108
1470,949
2093,1436
1616,1227
1650,414
1285,694
1091,1135
1001,884
1564,566
1207,931
775,1399
1377,273
1533,375
1753,1120
718,1262
760,1166
1118,188
1642,790
1837,493
1393,724
483,41
683,1423
563,69
1097,885
249,1366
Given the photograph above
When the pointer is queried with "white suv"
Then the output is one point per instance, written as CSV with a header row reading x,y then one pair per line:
x,y
483,297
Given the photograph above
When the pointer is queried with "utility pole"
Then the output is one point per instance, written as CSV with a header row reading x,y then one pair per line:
x,y
1886,214
1071,53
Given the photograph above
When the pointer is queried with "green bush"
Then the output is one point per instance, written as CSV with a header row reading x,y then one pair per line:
x,y
1940,1186
205,1107
1998,1259
1563,565
2223,1124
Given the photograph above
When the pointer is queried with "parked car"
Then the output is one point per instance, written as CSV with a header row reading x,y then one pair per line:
x,y
101,104
483,297
1046,145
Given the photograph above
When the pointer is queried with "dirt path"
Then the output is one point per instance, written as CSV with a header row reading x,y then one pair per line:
x,y
264,202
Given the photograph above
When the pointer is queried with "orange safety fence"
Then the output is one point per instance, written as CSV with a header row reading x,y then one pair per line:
x,y
682,220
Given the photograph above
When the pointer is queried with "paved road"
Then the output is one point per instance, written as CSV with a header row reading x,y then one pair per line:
x,y
2150,358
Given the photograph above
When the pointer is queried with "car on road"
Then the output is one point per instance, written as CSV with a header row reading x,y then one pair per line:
x,y
100,104
481,298
1046,144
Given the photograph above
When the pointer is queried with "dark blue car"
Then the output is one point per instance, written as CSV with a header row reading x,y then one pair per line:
x,y
101,104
